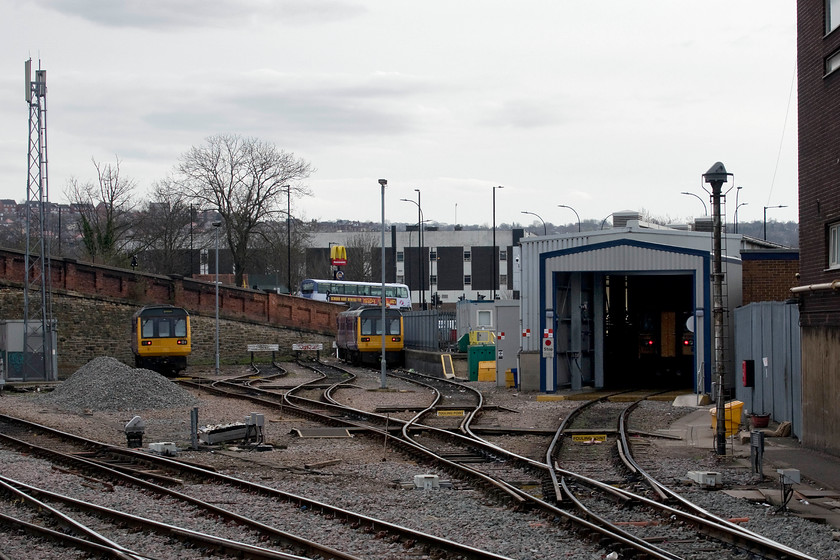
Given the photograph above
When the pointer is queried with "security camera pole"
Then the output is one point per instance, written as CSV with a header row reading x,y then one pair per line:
x,y
716,177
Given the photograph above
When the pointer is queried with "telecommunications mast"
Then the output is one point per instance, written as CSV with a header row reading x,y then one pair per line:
x,y
39,356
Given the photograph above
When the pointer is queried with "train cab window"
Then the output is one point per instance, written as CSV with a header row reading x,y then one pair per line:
x,y
180,327
164,328
147,329
394,326
367,326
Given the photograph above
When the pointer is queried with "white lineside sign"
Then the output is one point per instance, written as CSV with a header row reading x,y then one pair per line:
x,y
303,347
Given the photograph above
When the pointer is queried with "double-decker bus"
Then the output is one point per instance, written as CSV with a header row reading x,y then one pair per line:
x,y
397,296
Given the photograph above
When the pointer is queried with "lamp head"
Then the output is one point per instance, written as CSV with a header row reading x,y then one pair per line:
x,y
383,182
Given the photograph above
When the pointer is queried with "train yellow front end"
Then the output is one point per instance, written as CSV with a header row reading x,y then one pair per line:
x,y
359,336
161,338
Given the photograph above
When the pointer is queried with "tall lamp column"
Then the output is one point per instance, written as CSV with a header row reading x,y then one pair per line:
x,y
217,226
495,256
573,210
289,237
421,282
765,218
383,383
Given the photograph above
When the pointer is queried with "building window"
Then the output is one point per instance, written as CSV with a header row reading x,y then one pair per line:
x,y
832,15
832,63
503,280
834,246
467,280
400,279
467,256
502,254
433,279
485,319
400,256
432,254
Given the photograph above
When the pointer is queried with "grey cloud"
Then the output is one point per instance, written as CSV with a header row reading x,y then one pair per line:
x,y
180,14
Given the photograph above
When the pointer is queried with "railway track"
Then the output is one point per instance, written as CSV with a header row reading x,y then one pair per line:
x,y
542,486
196,486
606,486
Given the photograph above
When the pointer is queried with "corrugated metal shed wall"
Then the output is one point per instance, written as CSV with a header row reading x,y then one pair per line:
x,y
770,330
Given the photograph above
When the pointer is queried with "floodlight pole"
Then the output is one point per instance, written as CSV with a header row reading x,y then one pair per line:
x,y
383,183
716,176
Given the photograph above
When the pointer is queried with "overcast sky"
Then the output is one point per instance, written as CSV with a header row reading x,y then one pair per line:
x,y
602,106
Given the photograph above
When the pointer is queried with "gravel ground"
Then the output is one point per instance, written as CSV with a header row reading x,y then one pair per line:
x,y
98,400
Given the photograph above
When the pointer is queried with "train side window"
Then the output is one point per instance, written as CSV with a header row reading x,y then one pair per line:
x,y
147,328
180,327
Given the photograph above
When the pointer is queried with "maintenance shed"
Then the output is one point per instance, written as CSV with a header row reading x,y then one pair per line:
x,y
629,306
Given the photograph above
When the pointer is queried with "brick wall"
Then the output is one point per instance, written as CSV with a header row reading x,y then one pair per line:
x,y
93,307
768,275
819,166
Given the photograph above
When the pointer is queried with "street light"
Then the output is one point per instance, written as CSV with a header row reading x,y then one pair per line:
x,y
288,237
382,184
218,226
705,212
737,194
765,218
495,256
736,214
545,232
420,259
573,210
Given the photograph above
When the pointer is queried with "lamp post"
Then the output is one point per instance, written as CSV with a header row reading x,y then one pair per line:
x,y
573,210
545,232
421,277
705,212
736,214
765,218
288,237
218,226
495,256
382,184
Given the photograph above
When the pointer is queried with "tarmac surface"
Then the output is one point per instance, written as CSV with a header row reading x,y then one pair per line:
x,y
816,496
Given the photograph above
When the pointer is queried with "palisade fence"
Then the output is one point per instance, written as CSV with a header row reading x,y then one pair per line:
x,y
767,335
431,330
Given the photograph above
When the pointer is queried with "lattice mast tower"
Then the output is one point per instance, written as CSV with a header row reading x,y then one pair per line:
x,y
37,301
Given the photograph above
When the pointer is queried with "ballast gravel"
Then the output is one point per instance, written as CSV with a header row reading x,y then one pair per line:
x,y
366,476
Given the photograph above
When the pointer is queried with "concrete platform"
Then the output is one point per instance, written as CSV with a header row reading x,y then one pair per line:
x,y
816,497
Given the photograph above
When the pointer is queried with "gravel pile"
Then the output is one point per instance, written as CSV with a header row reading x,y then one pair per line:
x,y
107,384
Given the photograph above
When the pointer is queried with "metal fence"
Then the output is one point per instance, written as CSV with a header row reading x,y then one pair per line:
x,y
431,330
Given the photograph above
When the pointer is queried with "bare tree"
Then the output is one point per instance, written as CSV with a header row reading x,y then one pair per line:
x,y
247,181
361,251
105,213
162,231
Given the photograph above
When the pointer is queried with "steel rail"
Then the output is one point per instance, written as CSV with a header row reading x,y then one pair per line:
x,y
314,505
195,537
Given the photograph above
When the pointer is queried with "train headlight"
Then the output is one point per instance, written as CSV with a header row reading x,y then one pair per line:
x,y
182,342
365,339
146,343
395,339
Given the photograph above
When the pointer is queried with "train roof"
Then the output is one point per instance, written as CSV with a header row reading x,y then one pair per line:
x,y
160,310
370,310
